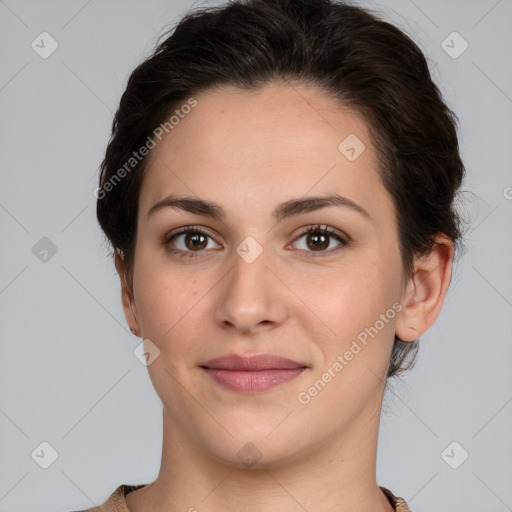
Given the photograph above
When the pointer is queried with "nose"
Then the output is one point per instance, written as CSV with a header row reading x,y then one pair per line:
x,y
253,298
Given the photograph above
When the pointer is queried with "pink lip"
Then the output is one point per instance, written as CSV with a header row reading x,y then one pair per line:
x,y
252,373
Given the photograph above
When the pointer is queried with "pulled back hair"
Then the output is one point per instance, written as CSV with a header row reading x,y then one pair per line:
x,y
357,59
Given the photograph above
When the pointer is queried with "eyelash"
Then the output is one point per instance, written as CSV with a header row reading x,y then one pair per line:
x,y
316,229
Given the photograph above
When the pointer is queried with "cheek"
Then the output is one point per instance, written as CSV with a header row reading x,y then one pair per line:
x,y
353,353
168,301
351,298
170,313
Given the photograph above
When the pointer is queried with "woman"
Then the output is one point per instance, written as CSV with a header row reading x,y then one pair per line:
x,y
278,192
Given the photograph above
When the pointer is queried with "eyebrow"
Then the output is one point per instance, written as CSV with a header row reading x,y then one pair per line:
x,y
282,211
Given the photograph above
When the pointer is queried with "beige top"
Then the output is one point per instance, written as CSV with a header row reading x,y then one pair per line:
x,y
117,503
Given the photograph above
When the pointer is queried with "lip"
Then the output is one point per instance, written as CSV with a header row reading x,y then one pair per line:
x,y
252,373
256,362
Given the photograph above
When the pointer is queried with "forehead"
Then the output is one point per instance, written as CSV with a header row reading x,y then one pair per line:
x,y
277,141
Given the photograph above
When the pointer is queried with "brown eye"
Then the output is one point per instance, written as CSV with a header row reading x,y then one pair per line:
x,y
317,241
189,242
319,238
195,241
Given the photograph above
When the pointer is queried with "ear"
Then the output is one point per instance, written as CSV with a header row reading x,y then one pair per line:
x,y
129,307
425,292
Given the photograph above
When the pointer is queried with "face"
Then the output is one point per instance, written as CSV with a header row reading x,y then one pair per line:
x,y
245,276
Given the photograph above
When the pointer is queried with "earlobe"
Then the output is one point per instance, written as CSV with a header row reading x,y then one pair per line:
x,y
129,307
425,292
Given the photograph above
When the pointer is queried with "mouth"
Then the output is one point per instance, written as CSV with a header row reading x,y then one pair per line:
x,y
252,373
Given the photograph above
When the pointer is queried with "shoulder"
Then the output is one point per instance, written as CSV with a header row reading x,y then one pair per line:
x,y
116,502
399,503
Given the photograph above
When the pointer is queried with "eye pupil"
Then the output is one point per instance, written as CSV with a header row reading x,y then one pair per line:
x,y
195,239
319,241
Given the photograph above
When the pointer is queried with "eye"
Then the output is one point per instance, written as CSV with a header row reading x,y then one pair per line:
x,y
188,241
192,240
318,239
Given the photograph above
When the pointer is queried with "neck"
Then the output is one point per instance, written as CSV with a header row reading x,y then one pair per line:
x,y
337,475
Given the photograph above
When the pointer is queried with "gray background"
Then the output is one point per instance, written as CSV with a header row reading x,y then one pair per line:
x,y
68,374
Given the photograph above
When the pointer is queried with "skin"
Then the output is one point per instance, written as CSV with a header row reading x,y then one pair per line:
x,y
249,152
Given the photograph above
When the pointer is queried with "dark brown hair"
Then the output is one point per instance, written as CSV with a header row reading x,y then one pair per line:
x,y
364,63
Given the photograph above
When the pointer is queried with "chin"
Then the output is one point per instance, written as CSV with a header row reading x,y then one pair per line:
x,y
260,447
256,455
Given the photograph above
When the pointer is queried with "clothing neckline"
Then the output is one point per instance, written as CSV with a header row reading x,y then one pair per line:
x,y
398,503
